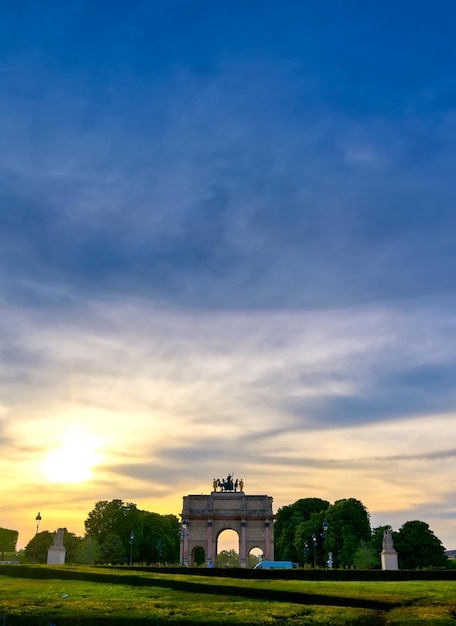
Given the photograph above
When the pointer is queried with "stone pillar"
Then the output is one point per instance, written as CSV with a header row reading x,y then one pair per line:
x,y
210,544
389,559
267,539
185,562
56,553
243,555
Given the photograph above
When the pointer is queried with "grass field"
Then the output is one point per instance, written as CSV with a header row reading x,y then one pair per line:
x,y
195,600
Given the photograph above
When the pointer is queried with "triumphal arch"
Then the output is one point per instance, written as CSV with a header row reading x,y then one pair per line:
x,y
227,507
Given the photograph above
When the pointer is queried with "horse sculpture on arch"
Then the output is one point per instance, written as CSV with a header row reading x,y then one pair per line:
x,y
228,484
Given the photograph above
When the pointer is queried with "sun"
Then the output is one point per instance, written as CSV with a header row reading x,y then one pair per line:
x,y
73,461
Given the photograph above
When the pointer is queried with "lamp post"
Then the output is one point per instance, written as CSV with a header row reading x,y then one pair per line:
x,y
315,541
37,520
132,538
184,543
306,553
323,536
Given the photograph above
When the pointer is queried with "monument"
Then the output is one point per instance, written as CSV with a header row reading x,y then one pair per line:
x,y
388,554
56,553
227,507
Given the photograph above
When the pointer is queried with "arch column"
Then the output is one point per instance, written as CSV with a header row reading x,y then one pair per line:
x,y
210,543
243,545
269,555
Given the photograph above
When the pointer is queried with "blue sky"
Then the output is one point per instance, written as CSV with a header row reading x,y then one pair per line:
x,y
227,245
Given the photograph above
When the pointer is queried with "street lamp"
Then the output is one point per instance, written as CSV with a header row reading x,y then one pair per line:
x,y
132,538
315,540
323,536
306,553
37,520
184,545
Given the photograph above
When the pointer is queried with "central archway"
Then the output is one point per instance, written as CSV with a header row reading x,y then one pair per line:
x,y
227,548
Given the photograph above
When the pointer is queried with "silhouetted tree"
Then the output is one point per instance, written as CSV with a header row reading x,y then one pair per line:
x,y
417,546
253,560
8,541
228,558
112,550
114,517
88,551
153,544
71,543
37,548
349,525
308,549
156,537
159,540
364,557
288,540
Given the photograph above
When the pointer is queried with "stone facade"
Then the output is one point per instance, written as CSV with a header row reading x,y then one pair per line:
x,y
204,517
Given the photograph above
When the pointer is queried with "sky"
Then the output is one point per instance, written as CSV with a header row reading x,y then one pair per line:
x,y
227,246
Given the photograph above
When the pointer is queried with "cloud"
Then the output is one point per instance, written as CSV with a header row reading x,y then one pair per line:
x,y
225,204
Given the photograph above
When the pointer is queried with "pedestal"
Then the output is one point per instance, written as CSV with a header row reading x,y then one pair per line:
x,y
56,556
389,559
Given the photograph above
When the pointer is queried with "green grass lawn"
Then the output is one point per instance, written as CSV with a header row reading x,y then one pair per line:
x,y
223,601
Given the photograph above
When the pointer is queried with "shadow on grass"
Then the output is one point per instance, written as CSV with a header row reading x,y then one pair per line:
x,y
294,597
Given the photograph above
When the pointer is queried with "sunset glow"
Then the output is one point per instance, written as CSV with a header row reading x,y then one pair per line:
x,y
72,462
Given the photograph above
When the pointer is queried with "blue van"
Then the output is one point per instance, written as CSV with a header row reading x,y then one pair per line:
x,y
274,565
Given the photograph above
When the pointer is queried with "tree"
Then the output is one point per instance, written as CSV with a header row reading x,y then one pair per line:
x,y
288,543
310,539
114,517
8,540
417,546
228,558
156,537
365,557
71,543
88,551
171,544
36,551
37,548
253,560
159,539
349,525
112,550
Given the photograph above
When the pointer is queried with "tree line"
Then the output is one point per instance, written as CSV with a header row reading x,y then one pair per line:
x,y
307,531
115,532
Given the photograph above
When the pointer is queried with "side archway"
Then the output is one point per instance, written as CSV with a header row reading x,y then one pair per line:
x,y
198,556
